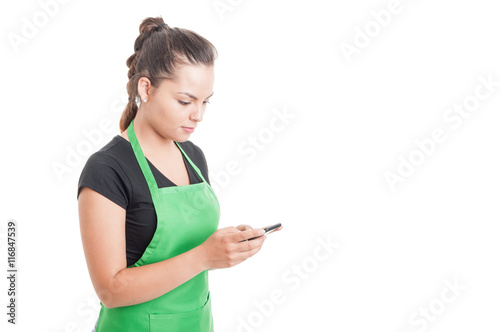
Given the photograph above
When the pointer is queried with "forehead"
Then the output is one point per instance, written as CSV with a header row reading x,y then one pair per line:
x,y
198,79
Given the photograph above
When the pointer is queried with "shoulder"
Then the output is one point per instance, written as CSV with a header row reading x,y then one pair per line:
x,y
112,155
107,171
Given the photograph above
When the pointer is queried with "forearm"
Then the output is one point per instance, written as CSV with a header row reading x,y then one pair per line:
x,y
143,283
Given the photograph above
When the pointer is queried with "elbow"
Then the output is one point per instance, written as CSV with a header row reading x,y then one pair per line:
x,y
108,305
107,299
114,292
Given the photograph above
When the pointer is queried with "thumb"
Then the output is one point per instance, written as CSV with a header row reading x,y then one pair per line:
x,y
229,229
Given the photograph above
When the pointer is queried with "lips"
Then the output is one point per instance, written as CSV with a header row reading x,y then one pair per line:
x,y
189,129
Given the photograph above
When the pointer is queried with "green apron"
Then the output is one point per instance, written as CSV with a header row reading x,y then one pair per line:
x,y
186,217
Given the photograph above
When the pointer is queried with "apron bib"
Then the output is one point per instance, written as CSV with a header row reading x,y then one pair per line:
x,y
186,217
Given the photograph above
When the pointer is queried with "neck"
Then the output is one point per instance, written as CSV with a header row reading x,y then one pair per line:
x,y
151,141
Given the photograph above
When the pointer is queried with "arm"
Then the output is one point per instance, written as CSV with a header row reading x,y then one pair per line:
x,y
102,227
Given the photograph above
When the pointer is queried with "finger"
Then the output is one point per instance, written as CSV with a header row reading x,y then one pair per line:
x,y
255,237
245,235
228,230
250,245
242,256
250,253
243,227
255,250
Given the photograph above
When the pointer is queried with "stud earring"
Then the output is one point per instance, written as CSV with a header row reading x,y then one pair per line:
x,y
144,100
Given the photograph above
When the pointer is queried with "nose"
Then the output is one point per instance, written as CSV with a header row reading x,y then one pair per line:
x,y
197,113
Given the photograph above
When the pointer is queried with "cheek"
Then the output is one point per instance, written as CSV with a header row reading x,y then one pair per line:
x,y
177,111
170,111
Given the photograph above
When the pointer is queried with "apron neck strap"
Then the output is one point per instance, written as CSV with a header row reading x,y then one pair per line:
x,y
192,163
143,163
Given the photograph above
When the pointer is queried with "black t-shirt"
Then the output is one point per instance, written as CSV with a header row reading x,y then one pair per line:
x,y
114,172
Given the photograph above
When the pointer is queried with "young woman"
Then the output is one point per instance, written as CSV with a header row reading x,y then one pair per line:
x,y
148,215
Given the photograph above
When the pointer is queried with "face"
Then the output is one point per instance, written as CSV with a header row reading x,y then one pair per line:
x,y
177,105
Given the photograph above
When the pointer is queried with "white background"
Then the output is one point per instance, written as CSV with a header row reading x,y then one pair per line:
x,y
351,120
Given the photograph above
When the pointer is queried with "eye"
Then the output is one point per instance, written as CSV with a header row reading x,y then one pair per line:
x,y
206,102
183,102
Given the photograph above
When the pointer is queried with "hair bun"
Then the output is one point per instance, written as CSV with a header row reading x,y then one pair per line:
x,y
160,26
148,27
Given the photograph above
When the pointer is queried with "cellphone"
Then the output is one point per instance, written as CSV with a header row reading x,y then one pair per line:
x,y
267,230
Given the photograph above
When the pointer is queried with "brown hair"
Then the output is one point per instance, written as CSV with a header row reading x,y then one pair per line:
x,y
158,50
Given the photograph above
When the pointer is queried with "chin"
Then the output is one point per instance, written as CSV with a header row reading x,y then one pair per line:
x,y
182,138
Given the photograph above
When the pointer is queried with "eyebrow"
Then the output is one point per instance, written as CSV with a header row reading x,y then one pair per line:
x,y
191,96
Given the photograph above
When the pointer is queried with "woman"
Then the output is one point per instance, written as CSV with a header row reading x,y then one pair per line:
x,y
148,215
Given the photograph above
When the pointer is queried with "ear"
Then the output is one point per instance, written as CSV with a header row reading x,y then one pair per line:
x,y
144,88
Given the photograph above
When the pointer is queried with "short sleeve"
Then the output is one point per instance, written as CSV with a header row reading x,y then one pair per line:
x,y
103,174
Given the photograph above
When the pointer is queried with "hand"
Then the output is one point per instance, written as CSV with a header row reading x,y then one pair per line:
x,y
228,247
243,227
